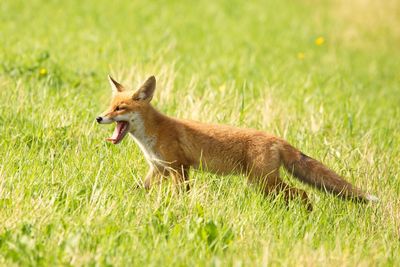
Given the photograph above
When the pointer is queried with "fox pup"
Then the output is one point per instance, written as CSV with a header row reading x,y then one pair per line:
x,y
171,146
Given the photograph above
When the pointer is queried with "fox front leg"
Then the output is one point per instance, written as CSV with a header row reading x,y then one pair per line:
x,y
181,178
152,176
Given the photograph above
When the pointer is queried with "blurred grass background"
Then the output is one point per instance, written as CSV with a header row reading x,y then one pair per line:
x,y
322,74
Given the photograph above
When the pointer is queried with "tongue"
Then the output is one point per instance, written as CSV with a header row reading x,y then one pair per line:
x,y
118,132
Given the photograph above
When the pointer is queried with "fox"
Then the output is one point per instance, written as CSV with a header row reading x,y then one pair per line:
x,y
172,146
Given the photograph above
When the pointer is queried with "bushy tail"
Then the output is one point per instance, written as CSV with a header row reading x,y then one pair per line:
x,y
313,172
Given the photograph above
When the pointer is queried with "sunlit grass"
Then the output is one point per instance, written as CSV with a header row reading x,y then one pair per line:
x,y
311,72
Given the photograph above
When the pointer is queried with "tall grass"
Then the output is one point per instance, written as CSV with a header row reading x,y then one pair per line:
x,y
69,198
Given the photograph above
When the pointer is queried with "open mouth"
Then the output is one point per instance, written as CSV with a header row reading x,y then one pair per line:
x,y
121,129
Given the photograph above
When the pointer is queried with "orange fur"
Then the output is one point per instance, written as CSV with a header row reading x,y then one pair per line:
x,y
175,145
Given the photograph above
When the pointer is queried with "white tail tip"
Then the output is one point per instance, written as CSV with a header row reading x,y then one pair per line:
x,y
372,198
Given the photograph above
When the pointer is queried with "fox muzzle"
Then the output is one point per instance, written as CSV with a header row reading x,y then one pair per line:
x,y
103,120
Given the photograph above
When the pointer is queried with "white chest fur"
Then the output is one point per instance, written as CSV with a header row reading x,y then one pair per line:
x,y
145,142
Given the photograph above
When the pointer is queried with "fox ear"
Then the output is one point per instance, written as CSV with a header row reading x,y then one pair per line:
x,y
116,87
146,91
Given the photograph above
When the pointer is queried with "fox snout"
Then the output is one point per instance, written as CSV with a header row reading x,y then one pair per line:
x,y
103,120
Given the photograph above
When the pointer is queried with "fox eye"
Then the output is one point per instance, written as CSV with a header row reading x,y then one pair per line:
x,y
118,108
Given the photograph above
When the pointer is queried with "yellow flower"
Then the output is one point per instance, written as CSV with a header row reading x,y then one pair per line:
x,y
320,41
300,55
42,71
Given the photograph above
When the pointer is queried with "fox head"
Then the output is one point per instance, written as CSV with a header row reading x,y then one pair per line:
x,y
127,108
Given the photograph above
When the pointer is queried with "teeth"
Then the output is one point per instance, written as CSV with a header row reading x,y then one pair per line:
x,y
123,128
119,132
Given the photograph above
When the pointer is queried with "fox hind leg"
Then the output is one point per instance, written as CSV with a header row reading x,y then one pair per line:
x,y
272,184
294,193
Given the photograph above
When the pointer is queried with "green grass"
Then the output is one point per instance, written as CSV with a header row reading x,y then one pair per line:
x,y
68,198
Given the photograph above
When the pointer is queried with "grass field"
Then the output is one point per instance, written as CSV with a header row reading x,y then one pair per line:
x,y
322,74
